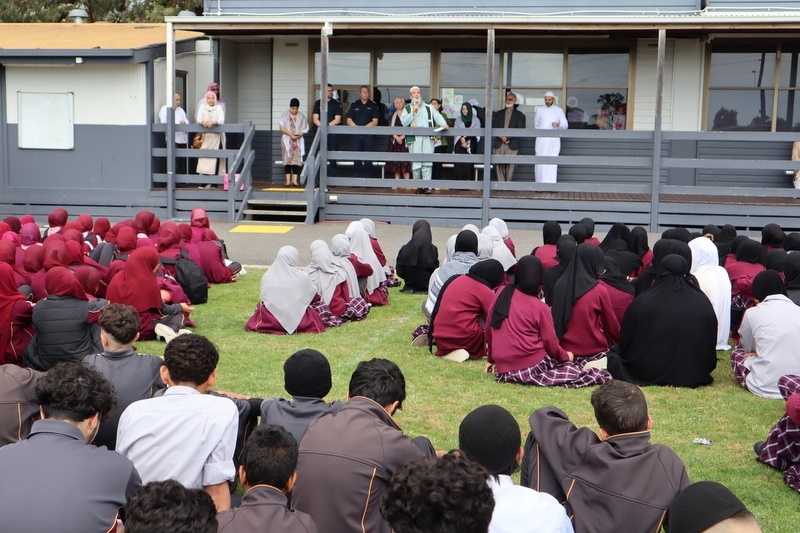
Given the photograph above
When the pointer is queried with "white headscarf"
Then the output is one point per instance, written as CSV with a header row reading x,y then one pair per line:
x,y
484,247
472,227
287,291
362,248
715,284
340,248
323,271
499,249
450,248
500,225
369,227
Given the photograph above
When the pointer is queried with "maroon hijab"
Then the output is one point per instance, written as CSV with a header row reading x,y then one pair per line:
x,y
57,218
30,234
55,254
84,222
34,259
143,221
9,295
13,223
136,285
27,219
101,227
59,281
126,239
89,278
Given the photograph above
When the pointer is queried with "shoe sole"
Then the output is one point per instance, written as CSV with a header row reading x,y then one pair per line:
x,y
420,342
458,356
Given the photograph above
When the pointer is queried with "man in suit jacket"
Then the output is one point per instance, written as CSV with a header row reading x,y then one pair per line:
x,y
509,117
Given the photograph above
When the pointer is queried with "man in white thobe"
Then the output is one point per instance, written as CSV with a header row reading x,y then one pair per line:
x,y
418,114
548,117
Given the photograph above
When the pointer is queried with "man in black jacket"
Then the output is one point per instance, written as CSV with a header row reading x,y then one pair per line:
x,y
510,117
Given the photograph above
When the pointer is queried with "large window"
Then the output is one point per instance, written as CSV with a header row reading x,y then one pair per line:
x,y
397,72
463,78
741,91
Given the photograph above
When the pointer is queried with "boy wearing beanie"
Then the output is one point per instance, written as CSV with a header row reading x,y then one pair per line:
x,y
490,436
307,377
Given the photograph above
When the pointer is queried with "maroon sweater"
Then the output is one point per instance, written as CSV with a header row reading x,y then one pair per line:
x,y
741,274
547,254
593,327
525,337
457,323
620,300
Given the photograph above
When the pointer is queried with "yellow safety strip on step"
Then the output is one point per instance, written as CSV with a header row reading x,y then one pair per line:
x,y
284,189
244,228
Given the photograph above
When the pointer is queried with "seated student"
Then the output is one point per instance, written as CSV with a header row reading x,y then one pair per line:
x,y
418,258
523,347
169,507
212,260
307,378
8,256
90,281
772,237
65,322
439,496
286,297
547,252
462,310
637,244
356,307
714,282
582,313
346,459
742,272
502,228
464,257
490,436
565,251
618,231
134,376
123,245
770,335
56,220
572,464
267,472
661,249
588,223
16,313
18,406
198,223
376,292
54,252
781,450
791,272
707,506
620,290
186,434
579,233
54,480
668,336
500,251
137,286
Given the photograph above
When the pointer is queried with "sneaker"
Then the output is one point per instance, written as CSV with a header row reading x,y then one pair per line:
x,y
164,333
184,331
601,363
459,356
758,447
420,341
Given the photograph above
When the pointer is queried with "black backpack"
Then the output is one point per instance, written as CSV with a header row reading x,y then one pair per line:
x,y
190,277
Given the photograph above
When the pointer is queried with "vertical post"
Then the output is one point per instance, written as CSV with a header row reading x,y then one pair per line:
x,y
323,122
656,185
487,140
170,79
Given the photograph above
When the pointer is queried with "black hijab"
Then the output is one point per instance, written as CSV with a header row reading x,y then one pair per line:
x,y
467,241
651,352
626,261
589,224
551,231
766,283
420,251
776,259
723,242
527,280
791,243
580,278
637,242
749,251
678,234
713,230
772,235
614,277
791,271
617,231
489,272
579,233
661,249
565,251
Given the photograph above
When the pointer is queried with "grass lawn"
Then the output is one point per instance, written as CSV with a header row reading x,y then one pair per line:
x,y
441,393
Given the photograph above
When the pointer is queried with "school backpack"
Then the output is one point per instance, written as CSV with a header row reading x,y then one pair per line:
x,y
190,277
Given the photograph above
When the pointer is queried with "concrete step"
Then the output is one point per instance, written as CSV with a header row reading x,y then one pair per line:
x,y
271,202
273,213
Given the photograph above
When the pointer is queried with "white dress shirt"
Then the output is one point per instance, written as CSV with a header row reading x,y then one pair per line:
x,y
181,137
182,435
522,510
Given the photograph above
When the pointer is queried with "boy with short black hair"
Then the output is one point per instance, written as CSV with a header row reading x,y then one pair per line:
x,y
134,376
269,460
169,507
572,464
307,377
186,434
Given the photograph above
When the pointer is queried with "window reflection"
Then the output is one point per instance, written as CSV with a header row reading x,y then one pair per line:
x,y
788,111
344,68
597,70
789,69
534,69
742,69
740,110
466,69
404,68
602,109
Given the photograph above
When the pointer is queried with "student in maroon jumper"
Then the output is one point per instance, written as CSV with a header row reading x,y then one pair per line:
x,y
582,311
748,264
55,254
565,251
551,233
588,223
340,247
461,311
15,319
637,243
369,227
523,346
620,290
212,259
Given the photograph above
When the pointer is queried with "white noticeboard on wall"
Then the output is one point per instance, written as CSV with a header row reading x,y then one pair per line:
x,y
46,121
